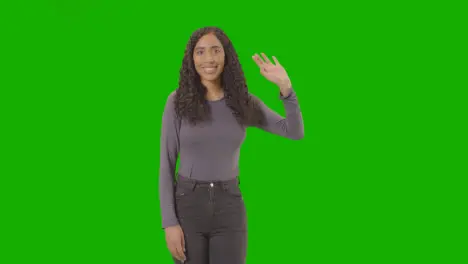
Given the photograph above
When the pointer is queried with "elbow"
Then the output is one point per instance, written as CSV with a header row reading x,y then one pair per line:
x,y
297,131
297,136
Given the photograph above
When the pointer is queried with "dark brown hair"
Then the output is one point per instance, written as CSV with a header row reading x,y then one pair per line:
x,y
190,102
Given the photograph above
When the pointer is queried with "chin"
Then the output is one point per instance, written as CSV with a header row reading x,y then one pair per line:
x,y
211,77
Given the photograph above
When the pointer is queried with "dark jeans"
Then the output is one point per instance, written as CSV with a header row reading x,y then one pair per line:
x,y
213,218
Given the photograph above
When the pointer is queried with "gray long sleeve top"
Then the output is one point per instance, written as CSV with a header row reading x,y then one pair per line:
x,y
210,151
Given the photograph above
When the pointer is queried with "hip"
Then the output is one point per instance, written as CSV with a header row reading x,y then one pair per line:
x,y
205,205
212,195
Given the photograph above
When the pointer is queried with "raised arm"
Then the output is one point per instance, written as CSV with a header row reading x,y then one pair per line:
x,y
291,126
169,150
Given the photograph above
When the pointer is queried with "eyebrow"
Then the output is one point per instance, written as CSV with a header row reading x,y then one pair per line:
x,y
202,47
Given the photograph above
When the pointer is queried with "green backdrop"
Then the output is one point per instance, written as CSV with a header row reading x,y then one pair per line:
x,y
377,178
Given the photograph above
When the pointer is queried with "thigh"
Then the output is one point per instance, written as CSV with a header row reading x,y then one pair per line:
x,y
228,247
194,218
196,248
228,240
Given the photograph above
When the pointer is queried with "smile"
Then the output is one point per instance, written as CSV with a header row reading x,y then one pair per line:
x,y
210,70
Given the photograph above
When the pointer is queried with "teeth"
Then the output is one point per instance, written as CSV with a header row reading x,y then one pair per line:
x,y
210,70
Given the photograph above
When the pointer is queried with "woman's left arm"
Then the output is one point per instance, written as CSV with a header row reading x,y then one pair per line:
x,y
291,126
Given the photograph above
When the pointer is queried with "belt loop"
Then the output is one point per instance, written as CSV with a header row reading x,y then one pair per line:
x,y
194,184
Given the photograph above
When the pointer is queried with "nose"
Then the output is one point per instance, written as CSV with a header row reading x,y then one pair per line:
x,y
209,56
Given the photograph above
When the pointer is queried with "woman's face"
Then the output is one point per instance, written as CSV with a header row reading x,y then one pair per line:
x,y
208,57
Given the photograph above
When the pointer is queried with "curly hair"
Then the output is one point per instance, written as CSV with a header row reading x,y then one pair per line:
x,y
190,103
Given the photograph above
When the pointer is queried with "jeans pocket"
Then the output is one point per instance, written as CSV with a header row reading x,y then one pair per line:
x,y
233,190
182,190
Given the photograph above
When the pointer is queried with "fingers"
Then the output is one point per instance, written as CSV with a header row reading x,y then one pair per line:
x,y
177,251
265,64
276,60
181,249
180,252
180,246
183,242
267,61
173,251
258,60
176,246
175,242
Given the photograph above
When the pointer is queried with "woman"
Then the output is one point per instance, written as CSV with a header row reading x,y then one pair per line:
x,y
204,121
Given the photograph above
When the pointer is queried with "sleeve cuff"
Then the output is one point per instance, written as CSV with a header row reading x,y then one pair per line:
x,y
168,223
289,96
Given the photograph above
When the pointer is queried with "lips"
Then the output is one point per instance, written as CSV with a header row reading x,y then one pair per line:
x,y
210,70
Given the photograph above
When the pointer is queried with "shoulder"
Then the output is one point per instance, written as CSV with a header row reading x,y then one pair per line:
x,y
169,107
171,97
255,101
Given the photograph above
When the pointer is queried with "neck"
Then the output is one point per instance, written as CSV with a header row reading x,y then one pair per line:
x,y
214,91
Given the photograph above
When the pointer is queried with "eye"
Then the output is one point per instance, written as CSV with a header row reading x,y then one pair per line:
x,y
199,52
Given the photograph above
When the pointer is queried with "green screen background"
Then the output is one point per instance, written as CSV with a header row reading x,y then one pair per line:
x,y
377,178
